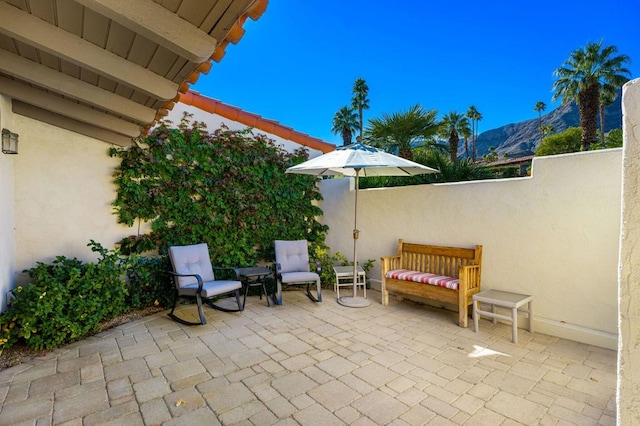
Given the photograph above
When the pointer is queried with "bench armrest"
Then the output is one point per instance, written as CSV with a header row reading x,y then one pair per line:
x,y
470,277
389,263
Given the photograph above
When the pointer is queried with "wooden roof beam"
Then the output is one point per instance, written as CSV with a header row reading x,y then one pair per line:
x,y
55,103
38,33
159,25
58,82
57,120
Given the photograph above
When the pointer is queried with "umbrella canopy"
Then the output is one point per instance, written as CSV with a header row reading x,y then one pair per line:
x,y
362,160
359,160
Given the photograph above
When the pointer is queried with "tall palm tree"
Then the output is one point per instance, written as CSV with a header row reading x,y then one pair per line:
x,y
451,128
540,106
402,131
465,132
608,94
345,122
581,78
360,101
475,116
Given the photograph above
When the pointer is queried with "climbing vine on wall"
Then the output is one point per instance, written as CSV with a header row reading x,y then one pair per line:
x,y
226,188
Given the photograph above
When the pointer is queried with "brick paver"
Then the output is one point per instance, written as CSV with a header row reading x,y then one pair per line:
x,y
306,363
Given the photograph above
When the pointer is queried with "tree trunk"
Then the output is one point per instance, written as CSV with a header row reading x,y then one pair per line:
x,y
406,153
474,151
588,100
453,145
602,108
466,147
346,137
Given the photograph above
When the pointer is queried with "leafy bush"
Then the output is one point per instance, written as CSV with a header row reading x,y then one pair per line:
x,y
66,300
561,143
327,277
148,282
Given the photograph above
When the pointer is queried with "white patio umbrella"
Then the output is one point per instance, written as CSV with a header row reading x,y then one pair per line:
x,y
358,160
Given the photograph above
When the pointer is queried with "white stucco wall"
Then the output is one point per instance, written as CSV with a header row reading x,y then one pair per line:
x,y
629,347
7,237
214,121
553,235
63,195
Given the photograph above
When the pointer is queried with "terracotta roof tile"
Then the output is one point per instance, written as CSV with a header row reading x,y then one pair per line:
x,y
249,119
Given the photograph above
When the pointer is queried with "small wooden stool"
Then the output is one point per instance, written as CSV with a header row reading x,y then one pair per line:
x,y
503,299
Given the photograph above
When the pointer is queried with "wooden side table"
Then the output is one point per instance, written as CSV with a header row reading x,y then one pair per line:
x,y
503,299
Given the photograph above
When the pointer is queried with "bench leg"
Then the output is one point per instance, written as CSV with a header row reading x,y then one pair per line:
x,y
514,325
475,316
463,314
530,308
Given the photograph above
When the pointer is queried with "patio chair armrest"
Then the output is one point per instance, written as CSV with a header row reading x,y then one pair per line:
x,y
277,268
235,271
198,277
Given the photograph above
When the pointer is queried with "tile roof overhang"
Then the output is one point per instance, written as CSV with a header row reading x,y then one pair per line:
x,y
110,69
236,114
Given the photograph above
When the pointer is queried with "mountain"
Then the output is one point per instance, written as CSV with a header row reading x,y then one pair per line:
x,y
521,139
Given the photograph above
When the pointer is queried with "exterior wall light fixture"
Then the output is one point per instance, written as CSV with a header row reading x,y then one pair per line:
x,y
9,142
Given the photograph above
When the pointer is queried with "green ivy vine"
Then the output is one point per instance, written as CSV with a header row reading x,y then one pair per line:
x,y
226,188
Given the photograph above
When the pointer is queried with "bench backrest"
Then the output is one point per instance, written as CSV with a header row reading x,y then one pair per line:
x,y
437,259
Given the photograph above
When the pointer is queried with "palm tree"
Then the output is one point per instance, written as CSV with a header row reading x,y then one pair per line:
x,y
360,101
608,94
581,79
345,122
540,106
474,115
451,127
465,132
402,131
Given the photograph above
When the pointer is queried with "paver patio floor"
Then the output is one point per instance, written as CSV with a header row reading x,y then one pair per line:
x,y
313,364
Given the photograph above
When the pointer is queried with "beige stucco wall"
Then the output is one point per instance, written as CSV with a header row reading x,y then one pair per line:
x,y
629,348
215,121
7,237
554,235
63,195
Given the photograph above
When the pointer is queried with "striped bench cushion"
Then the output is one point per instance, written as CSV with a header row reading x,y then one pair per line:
x,y
424,277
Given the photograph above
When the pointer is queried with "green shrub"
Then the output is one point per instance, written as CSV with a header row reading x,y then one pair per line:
x,y
148,282
327,277
66,300
561,143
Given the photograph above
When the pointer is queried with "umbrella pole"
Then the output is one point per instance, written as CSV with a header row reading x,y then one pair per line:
x,y
356,234
354,301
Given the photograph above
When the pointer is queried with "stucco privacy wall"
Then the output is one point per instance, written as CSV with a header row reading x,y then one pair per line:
x,y
7,238
553,235
63,195
629,347
214,121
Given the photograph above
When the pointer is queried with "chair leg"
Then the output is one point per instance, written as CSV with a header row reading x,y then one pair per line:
x,y
203,320
174,317
310,296
220,308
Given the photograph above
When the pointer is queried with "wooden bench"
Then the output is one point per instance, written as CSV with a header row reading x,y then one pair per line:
x,y
443,274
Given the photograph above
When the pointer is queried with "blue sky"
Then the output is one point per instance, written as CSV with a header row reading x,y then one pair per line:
x,y
298,62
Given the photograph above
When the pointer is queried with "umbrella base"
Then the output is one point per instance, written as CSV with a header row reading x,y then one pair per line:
x,y
353,301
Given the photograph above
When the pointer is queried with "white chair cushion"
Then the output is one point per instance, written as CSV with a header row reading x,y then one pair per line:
x,y
193,259
210,288
299,277
293,256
